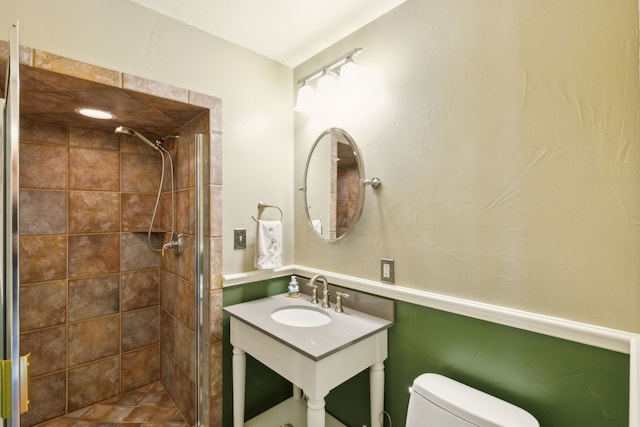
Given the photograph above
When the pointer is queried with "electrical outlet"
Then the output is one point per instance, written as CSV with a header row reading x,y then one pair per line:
x,y
387,270
240,238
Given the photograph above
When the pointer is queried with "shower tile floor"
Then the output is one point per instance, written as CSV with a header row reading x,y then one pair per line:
x,y
149,406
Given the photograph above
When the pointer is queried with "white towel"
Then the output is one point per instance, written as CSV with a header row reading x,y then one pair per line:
x,y
269,245
317,225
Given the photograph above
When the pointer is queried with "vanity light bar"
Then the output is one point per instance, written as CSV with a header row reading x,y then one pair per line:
x,y
331,66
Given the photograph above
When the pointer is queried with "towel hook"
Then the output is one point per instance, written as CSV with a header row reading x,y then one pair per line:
x,y
262,207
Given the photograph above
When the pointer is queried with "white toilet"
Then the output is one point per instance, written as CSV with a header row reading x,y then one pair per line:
x,y
438,401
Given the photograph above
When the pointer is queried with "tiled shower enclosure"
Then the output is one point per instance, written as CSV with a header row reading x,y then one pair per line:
x,y
102,313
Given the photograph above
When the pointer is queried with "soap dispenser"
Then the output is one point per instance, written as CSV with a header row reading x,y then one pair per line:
x,y
294,288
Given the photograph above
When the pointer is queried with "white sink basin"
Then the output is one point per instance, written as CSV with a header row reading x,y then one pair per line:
x,y
301,316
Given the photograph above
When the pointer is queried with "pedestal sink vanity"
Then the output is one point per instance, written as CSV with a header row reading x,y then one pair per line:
x,y
314,348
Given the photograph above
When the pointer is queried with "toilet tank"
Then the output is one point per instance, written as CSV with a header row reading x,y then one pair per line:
x,y
439,401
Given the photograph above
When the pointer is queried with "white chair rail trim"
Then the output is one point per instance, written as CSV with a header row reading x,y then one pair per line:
x,y
610,339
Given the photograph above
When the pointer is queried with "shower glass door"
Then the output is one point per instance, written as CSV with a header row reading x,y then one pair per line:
x,y
13,368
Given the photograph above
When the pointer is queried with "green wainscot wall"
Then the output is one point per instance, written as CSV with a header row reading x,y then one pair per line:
x,y
563,384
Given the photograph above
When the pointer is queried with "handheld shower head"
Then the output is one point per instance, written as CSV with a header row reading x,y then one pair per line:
x,y
125,131
130,132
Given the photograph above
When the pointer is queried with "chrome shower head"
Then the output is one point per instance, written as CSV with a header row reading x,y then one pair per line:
x,y
130,132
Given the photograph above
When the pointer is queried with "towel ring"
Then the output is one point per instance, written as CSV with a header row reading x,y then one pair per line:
x,y
262,207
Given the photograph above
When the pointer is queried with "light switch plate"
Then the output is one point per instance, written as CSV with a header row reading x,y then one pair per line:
x,y
240,238
387,270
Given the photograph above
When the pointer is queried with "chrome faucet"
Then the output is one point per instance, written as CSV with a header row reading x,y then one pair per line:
x,y
314,292
325,290
339,296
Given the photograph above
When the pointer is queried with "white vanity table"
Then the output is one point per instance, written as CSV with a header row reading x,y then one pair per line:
x,y
314,359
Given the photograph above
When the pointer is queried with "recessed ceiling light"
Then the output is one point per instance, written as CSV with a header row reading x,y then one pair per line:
x,y
95,113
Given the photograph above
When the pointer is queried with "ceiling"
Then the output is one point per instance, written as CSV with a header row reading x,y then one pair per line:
x,y
288,31
263,26
47,97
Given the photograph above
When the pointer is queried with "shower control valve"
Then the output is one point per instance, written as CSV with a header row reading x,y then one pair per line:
x,y
175,243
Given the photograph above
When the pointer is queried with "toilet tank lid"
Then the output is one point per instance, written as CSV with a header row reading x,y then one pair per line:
x,y
470,404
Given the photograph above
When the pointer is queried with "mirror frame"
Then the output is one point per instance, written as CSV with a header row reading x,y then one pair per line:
x,y
361,175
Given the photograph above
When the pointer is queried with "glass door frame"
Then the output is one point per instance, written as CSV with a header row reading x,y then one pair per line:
x,y
11,236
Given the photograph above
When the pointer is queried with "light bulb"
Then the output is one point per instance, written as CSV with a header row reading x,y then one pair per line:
x,y
306,99
94,113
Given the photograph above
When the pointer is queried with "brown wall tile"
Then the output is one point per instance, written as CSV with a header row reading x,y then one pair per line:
x,y
43,132
199,124
146,86
43,305
167,334
94,169
43,212
137,210
93,254
167,291
141,174
93,212
43,258
93,339
136,254
215,369
140,367
94,382
171,146
185,164
215,263
185,211
48,399
48,348
184,347
185,395
40,100
215,316
215,156
140,328
215,411
182,265
93,297
213,104
92,138
43,166
167,372
132,145
215,201
163,220
184,305
140,289
71,67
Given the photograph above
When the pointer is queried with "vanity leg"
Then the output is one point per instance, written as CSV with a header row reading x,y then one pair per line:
x,y
239,362
297,392
376,387
315,412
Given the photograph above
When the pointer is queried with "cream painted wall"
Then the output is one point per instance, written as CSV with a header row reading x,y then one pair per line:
x,y
506,136
256,93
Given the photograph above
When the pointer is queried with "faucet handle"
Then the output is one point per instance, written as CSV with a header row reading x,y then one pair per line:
x,y
314,293
339,296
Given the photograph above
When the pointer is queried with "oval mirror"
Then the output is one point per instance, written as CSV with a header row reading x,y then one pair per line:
x,y
333,184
